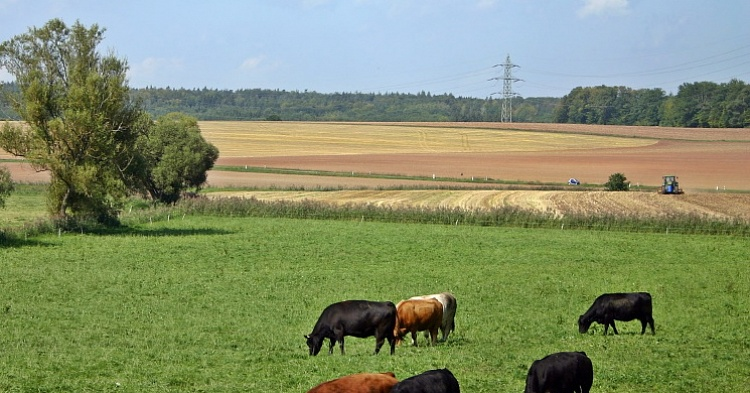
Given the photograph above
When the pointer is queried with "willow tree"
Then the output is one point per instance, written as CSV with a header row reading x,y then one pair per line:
x,y
175,157
78,120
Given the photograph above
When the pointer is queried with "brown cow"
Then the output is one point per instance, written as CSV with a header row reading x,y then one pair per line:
x,y
418,315
449,311
358,383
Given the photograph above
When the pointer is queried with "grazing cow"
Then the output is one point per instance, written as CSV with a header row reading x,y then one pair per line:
x,y
449,311
358,318
618,306
418,315
358,383
563,372
433,381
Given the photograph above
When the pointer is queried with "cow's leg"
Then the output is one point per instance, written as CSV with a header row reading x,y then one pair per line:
x,y
330,347
379,340
433,336
643,326
414,337
392,343
614,328
338,333
606,328
449,329
585,387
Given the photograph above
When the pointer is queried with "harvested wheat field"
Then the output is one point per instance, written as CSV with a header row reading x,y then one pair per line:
x,y
707,161
720,206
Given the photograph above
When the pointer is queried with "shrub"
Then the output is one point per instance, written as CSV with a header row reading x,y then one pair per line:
x,y
617,182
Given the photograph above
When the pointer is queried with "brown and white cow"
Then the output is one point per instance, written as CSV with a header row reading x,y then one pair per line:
x,y
416,316
358,383
449,311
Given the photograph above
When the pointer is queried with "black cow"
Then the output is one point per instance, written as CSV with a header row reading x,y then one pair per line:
x,y
433,381
358,318
618,306
562,372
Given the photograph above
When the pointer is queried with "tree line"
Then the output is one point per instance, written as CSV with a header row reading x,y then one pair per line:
x,y
266,104
699,104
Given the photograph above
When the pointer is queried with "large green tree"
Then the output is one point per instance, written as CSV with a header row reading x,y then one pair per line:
x,y
78,121
175,157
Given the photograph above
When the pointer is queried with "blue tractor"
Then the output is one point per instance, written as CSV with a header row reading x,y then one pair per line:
x,y
670,185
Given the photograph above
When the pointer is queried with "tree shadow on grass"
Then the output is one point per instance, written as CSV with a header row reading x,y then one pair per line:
x,y
16,240
157,232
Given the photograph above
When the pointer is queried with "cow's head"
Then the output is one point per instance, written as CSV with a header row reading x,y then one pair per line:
x,y
314,343
584,324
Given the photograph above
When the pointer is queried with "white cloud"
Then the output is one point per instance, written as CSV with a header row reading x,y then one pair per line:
x,y
252,63
603,7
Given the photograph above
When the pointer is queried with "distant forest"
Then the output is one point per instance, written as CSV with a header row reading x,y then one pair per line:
x,y
699,104
257,104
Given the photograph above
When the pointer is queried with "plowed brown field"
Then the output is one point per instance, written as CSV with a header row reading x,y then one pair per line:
x,y
708,162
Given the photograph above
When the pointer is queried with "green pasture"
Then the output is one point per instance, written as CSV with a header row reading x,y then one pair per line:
x,y
217,304
25,204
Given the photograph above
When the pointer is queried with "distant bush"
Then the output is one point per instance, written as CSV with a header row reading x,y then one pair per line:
x,y
617,182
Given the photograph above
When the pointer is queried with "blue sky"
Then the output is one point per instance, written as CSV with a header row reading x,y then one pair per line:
x,y
409,46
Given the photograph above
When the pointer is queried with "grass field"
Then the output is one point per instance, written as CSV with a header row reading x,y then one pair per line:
x,y
25,204
221,305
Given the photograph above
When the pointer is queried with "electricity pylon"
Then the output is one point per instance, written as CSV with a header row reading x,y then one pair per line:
x,y
508,94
